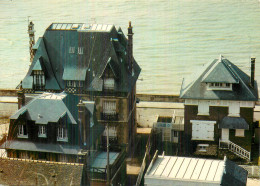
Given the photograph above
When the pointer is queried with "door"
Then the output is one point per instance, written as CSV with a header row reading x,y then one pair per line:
x,y
225,135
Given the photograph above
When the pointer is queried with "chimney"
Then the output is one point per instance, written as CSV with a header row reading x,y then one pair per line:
x,y
31,32
21,99
83,124
130,47
252,78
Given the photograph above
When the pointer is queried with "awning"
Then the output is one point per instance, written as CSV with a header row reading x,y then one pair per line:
x,y
233,123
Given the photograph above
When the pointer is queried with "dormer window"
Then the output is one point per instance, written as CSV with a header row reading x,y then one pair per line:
x,y
80,50
74,83
38,79
72,50
109,83
22,131
219,86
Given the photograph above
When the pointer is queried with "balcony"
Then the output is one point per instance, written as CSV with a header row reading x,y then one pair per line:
x,y
109,117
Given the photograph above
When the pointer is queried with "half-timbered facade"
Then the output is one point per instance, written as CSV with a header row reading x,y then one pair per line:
x,y
219,105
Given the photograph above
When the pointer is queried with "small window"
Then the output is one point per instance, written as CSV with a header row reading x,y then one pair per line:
x,y
111,132
62,134
80,83
80,50
72,50
42,131
202,147
109,83
109,107
166,134
240,133
63,158
69,83
175,134
22,131
38,79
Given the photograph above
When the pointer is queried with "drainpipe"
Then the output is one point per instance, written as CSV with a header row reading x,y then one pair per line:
x,y
252,78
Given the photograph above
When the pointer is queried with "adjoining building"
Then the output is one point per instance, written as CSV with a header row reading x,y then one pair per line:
x,y
94,62
219,104
174,170
54,127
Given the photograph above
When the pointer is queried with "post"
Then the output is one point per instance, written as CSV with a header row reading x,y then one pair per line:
x,y
31,32
108,168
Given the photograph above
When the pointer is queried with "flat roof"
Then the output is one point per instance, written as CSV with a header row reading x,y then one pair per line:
x,y
186,169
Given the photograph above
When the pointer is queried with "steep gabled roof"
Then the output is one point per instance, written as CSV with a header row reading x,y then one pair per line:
x,y
95,47
222,71
41,61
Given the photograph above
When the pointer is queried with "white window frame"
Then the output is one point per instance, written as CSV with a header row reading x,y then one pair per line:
x,y
80,50
200,130
72,50
69,83
109,83
203,147
21,131
109,107
234,108
80,83
166,134
39,78
219,86
42,131
111,132
62,134
240,133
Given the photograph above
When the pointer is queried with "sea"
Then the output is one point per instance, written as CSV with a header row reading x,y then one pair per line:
x,y
172,38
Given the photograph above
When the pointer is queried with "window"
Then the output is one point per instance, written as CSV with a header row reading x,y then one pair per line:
x,y
175,134
38,79
42,131
240,133
24,155
203,108
111,132
166,134
202,147
220,86
72,83
62,134
203,130
69,83
80,50
80,83
72,50
22,131
63,158
109,83
234,109
109,107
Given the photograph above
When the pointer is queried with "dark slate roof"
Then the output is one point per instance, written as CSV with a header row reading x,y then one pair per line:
x,y
233,123
51,81
41,147
103,46
219,71
29,172
233,175
49,107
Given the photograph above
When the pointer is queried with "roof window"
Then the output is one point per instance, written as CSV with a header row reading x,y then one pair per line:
x,y
80,50
219,86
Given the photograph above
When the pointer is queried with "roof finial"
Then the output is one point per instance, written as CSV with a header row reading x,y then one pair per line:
x,y
130,24
220,58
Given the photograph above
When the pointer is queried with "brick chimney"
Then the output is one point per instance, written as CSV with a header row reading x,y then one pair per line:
x,y
130,47
252,77
31,32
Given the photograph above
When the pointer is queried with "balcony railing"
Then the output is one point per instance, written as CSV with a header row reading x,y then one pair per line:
x,y
109,117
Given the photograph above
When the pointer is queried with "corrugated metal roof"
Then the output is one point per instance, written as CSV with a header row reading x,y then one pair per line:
x,y
173,167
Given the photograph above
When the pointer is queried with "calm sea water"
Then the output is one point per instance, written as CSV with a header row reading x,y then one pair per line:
x,y
172,38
